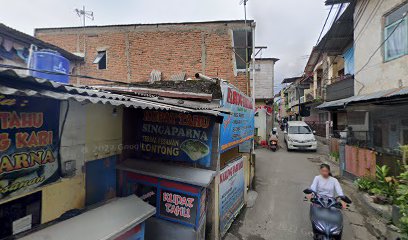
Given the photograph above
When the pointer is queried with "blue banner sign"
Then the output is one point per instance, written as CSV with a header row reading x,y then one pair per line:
x,y
176,136
28,144
231,193
239,126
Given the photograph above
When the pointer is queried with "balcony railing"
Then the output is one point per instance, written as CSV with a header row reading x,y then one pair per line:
x,y
342,87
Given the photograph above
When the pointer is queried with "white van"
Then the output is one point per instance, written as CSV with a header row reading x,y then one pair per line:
x,y
298,135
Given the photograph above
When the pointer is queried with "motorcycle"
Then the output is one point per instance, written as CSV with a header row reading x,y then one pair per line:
x,y
273,145
326,216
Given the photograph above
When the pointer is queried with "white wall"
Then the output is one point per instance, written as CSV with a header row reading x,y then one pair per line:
x,y
73,137
260,123
264,78
377,75
91,132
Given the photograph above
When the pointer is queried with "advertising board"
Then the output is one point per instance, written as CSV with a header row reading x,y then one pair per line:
x,y
178,206
231,193
28,143
237,127
176,136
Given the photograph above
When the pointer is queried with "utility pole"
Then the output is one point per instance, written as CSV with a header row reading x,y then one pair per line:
x,y
246,46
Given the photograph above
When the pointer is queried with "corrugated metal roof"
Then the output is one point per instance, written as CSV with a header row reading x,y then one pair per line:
x,y
146,91
380,95
401,91
292,79
13,84
314,58
186,103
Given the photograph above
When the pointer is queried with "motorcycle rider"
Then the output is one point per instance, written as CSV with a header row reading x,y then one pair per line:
x,y
325,184
273,135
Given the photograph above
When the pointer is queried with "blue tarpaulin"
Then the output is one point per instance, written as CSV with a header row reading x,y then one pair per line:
x,y
349,61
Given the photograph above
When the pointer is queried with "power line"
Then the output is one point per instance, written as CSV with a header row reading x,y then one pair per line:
x,y
324,25
327,36
58,73
370,18
359,14
325,73
340,8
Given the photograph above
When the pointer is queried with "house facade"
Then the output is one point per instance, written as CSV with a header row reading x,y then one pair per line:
x,y
167,51
359,70
385,68
331,69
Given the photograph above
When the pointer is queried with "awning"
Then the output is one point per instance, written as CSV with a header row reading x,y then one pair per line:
x,y
99,57
340,35
194,176
292,79
334,104
105,222
379,97
13,84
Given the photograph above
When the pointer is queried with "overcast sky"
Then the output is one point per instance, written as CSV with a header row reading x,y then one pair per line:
x,y
289,28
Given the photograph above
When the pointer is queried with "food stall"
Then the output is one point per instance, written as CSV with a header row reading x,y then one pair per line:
x,y
170,159
179,199
170,168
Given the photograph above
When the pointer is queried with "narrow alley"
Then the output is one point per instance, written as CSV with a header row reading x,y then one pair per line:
x,y
204,120
280,212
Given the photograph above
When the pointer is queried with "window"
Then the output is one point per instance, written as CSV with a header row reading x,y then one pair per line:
x,y
299,130
396,33
100,60
239,47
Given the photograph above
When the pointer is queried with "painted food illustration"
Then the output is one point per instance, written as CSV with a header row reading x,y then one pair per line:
x,y
195,149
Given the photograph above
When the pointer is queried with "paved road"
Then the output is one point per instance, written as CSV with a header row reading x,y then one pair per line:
x,y
280,212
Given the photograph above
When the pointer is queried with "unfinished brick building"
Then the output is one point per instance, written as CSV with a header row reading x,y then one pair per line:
x,y
169,51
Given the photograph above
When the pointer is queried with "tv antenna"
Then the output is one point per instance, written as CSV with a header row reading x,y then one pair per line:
x,y
82,13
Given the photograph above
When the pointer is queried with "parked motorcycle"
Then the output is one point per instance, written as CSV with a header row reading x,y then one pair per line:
x,y
326,216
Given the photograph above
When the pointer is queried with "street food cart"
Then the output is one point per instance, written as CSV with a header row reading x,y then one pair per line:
x,y
120,219
178,193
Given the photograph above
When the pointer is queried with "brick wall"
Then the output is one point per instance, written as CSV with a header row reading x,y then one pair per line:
x,y
133,51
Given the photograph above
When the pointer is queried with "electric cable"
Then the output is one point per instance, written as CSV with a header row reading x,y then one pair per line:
x,y
370,18
58,73
324,25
